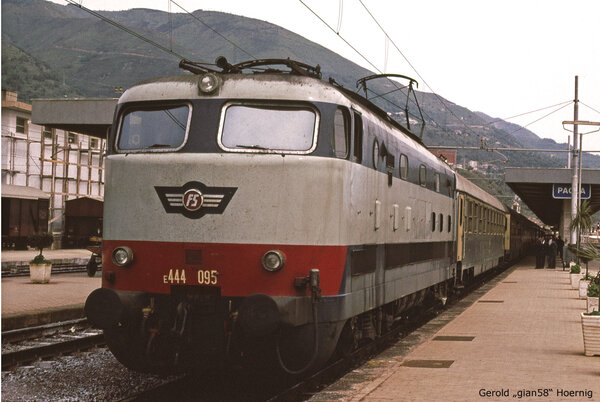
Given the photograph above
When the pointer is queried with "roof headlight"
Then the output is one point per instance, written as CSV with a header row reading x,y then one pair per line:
x,y
122,256
273,260
208,83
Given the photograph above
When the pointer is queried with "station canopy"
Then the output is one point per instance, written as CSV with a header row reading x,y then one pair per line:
x,y
537,188
85,116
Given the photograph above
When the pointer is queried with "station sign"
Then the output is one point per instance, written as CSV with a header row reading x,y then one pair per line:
x,y
563,191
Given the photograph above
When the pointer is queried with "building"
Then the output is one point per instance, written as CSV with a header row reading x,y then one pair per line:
x,y
64,165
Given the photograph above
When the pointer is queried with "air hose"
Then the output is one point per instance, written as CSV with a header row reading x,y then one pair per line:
x,y
315,290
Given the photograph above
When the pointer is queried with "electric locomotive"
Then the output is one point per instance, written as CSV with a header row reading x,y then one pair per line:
x,y
269,217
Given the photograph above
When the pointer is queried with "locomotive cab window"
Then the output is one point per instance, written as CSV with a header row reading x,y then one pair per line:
x,y
268,128
154,128
341,133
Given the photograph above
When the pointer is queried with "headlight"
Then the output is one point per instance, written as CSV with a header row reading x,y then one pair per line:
x,y
273,260
208,83
122,256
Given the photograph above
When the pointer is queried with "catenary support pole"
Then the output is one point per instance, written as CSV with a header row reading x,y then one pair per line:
x,y
575,165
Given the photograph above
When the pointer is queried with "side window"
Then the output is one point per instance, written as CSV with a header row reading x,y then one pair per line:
x,y
403,166
470,211
47,132
21,126
423,175
358,138
341,133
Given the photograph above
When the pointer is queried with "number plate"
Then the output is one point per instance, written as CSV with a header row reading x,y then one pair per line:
x,y
204,277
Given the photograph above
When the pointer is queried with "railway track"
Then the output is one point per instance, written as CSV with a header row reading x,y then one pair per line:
x,y
23,346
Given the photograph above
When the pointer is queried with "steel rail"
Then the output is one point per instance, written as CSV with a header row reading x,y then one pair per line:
x,y
16,358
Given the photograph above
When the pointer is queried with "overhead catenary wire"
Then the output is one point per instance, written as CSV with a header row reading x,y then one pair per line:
x,y
589,107
526,113
214,30
359,53
439,98
543,117
124,28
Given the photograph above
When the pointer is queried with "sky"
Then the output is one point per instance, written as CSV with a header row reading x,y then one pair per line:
x,y
500,57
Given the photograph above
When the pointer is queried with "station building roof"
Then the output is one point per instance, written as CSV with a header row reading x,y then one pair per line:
x,y
23,192
535,187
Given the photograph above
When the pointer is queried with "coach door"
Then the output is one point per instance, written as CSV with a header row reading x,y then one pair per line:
x,y
461,225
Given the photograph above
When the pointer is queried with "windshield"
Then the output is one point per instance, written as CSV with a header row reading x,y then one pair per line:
x,y
258,128
161,129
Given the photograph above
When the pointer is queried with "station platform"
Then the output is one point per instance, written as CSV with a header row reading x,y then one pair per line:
x,y
26,304
517,337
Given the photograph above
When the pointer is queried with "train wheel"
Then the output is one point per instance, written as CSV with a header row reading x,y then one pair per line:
x,y
130,350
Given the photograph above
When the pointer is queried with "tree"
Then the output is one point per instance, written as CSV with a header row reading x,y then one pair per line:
x,y
582,222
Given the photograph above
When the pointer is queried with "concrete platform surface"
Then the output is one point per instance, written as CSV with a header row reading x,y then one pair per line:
x,y
520,340
27,255
27,304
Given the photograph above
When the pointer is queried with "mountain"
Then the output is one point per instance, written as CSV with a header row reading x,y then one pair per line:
x,y
53,50
30,77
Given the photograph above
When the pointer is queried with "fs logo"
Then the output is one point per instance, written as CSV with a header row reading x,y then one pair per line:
x,y
194,200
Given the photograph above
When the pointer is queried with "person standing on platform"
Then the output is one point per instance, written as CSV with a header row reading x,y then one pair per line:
x,y
540,253
552,249
560,244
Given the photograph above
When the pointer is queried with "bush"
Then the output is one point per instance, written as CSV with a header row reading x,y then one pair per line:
x,y
40,259
40,241
593,290
576,269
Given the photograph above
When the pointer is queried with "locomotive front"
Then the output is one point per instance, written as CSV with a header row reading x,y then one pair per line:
x,y
222,225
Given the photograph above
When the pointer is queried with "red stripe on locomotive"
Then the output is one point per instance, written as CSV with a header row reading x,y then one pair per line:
x,y
239,268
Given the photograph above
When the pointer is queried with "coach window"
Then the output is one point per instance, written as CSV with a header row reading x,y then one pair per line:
x,y
470,216
375,153
358,138
436,178
341,133
433,221
423,175
403,166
